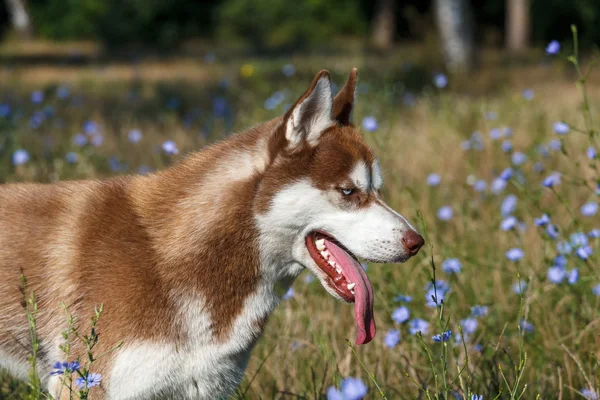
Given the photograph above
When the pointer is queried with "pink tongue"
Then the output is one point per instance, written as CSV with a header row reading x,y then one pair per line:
x,y
363,292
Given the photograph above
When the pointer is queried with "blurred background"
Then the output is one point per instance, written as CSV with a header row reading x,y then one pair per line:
x,y
462,100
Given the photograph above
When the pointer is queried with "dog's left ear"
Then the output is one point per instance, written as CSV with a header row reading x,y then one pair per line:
x,y
343,104
312,114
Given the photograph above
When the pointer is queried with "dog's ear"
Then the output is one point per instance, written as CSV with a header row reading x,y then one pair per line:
x,y
311,115
343,104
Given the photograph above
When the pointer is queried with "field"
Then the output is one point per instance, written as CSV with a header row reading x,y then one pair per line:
x,y
474,164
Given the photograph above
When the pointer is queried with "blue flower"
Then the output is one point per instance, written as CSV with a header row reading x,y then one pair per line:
x,y
72,157
20,157
564,247
89,381
353,388
542,221
578,239
401,314
594,233
560,261
4,110
498,185
134,135
596,290
519,287
469,325
288,70
369,124
334,394
506,146
589,394
479,311
480,185
526,327
37,97
401,297
289,294
440,81
442,337
451,266
538,167
169,147
556,274
551,180
591,153
80,140
476,397
495,134
515,254
509,204
518,158
420,325
589,209
59,368
62,92
433,179
552,231
90,127
573,276
553,47
560,128
584,252
528,94
445,213
506,174
555,144
392,338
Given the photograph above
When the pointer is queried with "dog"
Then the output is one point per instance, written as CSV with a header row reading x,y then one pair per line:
x,y
190,261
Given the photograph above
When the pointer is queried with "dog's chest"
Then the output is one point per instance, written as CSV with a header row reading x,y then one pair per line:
x,y
201,367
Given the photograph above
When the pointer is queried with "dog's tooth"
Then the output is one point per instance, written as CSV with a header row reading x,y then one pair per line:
x,y
320,244
352,291
338,270
331,262
325,254
350,286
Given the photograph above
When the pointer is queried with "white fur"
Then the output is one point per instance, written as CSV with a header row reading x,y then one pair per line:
x,y
311,131
360,176
373,233
377,175
201,368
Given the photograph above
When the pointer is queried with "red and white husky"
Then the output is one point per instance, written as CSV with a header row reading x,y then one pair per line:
x,y
190,261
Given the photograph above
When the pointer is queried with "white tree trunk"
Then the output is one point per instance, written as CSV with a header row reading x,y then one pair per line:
x,y
19,17
455,24
517,24
384,24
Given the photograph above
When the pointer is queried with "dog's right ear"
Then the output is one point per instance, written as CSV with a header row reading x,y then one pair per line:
x,y
306,120
343,104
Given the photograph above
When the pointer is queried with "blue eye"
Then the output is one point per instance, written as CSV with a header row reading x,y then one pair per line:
x,y
347,192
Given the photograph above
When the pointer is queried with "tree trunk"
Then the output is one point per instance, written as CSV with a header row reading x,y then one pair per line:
x,y
384,24
517,24
19,17
455,25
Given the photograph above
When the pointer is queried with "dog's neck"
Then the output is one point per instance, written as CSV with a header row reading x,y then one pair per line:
x,y
200,217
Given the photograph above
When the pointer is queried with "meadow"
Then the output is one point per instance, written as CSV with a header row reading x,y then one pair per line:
x,y
499,170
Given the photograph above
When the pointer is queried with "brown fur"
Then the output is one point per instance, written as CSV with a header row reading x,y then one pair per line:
x,y
136,243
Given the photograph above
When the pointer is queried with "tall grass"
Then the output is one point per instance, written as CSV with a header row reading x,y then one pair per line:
x,y
537,337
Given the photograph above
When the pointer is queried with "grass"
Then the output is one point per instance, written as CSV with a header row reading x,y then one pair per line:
x,y
304,349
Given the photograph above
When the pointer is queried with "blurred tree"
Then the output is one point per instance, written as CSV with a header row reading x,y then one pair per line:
x,y
384,24
281,24
19,17
517,24
455,25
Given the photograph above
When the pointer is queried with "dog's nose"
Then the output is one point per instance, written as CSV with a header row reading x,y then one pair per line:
x,y
412,242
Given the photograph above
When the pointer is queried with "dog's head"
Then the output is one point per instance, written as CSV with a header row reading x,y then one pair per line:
x,y
321,201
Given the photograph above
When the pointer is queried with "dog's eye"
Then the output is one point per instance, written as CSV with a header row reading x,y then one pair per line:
x,y
348,192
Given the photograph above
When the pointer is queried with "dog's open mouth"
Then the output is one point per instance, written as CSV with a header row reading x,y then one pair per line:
x,y
346,276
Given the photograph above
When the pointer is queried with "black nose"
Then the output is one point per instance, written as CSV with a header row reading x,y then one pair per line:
x,y
412,242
